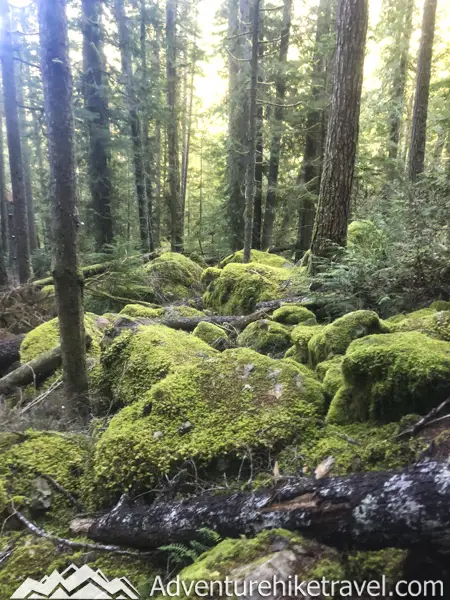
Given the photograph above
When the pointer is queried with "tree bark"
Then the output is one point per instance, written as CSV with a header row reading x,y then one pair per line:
x,y
238,74
135,122
57,80
156,78
277,132
14,147
96,103
333,208
259,148
309,178
417,144
9,352
3,213
252,131
175,201
365,511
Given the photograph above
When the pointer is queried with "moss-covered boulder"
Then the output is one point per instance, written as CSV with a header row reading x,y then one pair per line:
x,y
138,359
300,337
174,276
267,337
272,555
210,274
258,257
432,322
366,237
241,286
388,376
144,312
212,334
215,408
293,314
330,373
336,337
440,305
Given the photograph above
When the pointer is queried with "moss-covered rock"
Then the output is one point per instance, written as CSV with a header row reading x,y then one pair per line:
x,y
258,257
136,360
336,337
330,373
267,337
293,314
300,337
212,409
174,276
174,312
211,334
145,312
271,554
241,286
36,557
388,376
440,305
210,274
426,320
366,236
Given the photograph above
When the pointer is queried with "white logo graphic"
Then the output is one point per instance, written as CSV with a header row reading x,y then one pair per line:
x,y
77,583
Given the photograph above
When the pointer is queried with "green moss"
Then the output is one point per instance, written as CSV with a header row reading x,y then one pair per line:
x,y
300,336
136,310
210,333
336,337
388,376
183,311
440,305
65,458
36,557
266,337
366,236
241,286
3,495
258,257
48,291
234,401
427,320
293,314
174,276
369,566
135,361
333,378
210,274
357,447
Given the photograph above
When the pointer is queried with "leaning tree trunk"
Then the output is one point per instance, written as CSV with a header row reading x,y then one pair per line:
x,y
176,206
96,105
135,122
417,144
275,145
333,208
366,511
57,80
309,178
14,147
250,179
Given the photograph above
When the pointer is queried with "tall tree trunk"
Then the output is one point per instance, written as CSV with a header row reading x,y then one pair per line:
x,y
14,147
187,142
3,201
417,144
259,156
404,10
96,103
156,78
135,122
277,132
333,208
176,206
3,213
57,81
146,147
309,178
43,185
238,73
250,180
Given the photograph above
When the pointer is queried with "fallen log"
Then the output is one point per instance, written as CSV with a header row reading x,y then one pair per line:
x,y
274,304
367,511
9,352
36,370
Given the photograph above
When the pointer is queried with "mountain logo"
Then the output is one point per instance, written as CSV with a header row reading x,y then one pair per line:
x,y
77,583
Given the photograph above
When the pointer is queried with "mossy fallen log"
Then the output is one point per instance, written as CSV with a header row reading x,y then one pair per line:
x,y
367,511
36,370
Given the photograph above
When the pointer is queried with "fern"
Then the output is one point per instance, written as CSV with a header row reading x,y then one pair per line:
x,y
181,555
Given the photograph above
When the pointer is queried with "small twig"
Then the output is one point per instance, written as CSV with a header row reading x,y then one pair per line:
x,y
75,545
58,487
431,417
